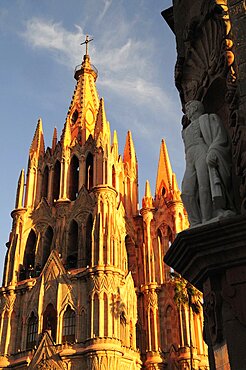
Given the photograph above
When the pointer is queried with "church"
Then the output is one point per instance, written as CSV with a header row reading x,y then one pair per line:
x,y
85,285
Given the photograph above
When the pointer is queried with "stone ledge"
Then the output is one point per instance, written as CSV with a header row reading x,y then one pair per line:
x,y
208,249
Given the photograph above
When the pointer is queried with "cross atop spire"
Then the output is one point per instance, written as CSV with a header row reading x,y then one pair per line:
x,y
86,42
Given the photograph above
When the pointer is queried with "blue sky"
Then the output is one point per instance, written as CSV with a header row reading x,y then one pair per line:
x,y
134,51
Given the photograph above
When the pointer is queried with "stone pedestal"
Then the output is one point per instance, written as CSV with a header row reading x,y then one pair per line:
x,y
213,258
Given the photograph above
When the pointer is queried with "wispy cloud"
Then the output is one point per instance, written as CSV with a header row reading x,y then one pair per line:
x,y
142,92
126,69
52,36
107,4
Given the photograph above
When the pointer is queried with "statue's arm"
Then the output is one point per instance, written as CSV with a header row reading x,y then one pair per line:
x,y
210,127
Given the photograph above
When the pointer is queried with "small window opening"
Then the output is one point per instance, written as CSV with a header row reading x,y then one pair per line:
x,y
89,171
45,182
74,117
68,329
32,330
48,237
27,270
72,249
56,180
50,320
113,177
74,178
89,226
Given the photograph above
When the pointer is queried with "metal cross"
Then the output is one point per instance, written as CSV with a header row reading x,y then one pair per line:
x,y
86,44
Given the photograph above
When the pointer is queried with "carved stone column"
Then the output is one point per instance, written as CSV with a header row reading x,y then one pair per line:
x,y
213,258
154,359
237,14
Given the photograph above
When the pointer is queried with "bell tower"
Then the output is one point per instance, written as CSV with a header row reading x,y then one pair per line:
x,y
66,276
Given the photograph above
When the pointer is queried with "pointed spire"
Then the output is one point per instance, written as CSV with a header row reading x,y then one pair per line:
x,y
83,110
54,139
66,135
147,201
147,190
164,172
115,149
37,145
101,120
20,191
176,191
129,151
115,139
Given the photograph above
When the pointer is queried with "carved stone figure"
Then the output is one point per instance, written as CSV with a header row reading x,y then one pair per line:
x,y
206,187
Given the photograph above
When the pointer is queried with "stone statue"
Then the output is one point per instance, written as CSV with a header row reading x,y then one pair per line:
x,y
206,186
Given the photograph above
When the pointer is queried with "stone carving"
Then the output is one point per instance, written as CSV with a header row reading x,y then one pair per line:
x,y
107,283
151,299
194,73
212,311
10,302
206,187
98,361
233,292
45,365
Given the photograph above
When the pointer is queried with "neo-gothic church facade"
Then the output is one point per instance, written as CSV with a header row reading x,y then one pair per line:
x,y
85,285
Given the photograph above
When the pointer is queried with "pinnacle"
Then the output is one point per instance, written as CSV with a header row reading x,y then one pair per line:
x,y
101,120
115,138
148,189
147,201
164,172
54,139
37,144
20,190
66,135
129,151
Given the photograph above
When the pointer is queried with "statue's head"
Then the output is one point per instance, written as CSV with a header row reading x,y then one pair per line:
x,y
194,109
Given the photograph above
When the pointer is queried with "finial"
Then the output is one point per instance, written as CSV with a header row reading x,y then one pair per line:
x,y
86,42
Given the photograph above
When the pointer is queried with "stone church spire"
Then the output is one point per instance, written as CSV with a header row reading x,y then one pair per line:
x,y
101,120
54,139
20,190
37,145
147,201
131,171
129,151
84,106
36,152
164,172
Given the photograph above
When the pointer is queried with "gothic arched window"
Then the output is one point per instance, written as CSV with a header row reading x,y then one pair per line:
x,y
96,315
88,245
74,178
72,247
131,255
160,256
48,237
29,255
32,331
113,177
45,182
68,328
74,117
89,171
50,320
56,181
